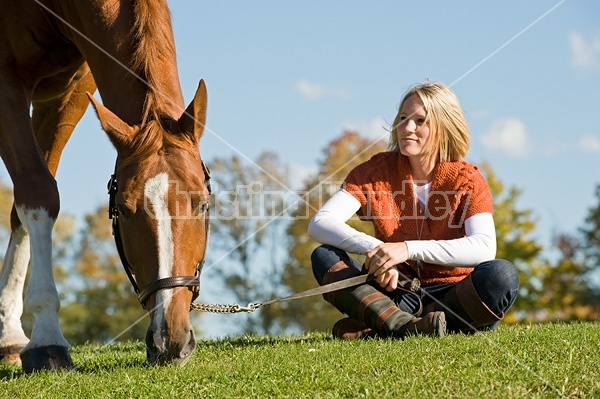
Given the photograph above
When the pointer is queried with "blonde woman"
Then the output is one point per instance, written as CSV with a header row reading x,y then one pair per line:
x,y
434,228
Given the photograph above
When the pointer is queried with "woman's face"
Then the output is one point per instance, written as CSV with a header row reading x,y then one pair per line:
x,y
412,130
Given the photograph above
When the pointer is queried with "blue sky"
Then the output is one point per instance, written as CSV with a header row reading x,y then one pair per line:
x,y
291,76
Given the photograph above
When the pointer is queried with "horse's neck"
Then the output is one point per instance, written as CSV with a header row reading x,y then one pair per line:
x,y
107,45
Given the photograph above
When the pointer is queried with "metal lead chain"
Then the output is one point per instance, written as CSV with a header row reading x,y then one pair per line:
x,y
224,308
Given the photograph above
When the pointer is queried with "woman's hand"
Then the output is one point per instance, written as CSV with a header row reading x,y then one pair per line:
x,y
381,262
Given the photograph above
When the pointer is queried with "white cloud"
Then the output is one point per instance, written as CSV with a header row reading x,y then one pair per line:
x,y
315,91
375,129
589,143
585,55
507,136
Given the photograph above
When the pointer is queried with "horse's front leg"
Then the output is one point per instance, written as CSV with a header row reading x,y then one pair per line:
x,y
53,123
47,348
37,205
12,280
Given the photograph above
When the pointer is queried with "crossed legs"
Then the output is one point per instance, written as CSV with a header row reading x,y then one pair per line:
x,y
475,303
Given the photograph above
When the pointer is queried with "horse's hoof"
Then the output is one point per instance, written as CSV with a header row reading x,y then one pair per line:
x,y
51,357
10,355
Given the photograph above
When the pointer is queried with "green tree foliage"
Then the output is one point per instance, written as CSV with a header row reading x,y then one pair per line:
x,y
570,288
339,157
514,230
591,241
101,303
590,257
249,208
551,289
566,293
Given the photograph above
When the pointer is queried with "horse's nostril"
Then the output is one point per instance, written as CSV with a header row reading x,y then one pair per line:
x,y
189,348
154,341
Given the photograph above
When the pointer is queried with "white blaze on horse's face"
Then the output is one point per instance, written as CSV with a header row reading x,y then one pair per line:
x,y
156,191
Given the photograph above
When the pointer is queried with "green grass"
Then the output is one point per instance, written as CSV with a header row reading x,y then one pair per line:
x,y
538,361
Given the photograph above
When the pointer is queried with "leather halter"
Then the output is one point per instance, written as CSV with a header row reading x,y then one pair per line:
x,y
163,283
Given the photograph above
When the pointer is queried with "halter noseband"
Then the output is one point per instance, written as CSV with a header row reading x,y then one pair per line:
x,y
163,283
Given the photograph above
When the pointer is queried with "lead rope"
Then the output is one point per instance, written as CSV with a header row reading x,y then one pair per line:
x,y
411,287
223,308
251,307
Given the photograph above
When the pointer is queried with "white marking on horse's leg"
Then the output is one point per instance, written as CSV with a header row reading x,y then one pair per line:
x,y
41,299
12,280
156,190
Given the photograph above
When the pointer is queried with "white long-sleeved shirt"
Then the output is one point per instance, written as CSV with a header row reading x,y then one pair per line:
x,y
329,226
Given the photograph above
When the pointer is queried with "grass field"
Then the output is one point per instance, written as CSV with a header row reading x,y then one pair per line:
x,y
538,361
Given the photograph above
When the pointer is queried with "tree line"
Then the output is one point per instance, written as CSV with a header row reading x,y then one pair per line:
x,y
259,249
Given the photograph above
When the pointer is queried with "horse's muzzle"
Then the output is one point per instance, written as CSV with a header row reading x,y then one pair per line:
x,y
160,350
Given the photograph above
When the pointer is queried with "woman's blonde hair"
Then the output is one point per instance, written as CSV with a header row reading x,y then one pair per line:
x,y
449,134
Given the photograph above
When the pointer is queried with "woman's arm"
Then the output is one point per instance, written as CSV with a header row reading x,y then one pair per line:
x,y
329,226
478,246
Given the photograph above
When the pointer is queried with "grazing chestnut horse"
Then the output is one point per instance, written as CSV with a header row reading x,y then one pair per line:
x,y
53,54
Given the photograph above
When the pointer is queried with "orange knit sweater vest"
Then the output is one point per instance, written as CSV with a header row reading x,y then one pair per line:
x,y
384,187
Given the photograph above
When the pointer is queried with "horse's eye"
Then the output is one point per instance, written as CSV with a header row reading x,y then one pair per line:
x,y
203,207
199,207
124,211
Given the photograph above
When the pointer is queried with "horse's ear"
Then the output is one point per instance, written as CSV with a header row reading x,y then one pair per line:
x,y
193,119
118,132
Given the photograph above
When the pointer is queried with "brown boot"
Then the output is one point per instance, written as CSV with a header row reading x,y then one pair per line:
x,y
350,328
367,305
432,323
465,311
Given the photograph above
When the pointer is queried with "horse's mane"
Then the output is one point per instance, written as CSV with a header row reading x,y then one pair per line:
x,y
153,34
155,48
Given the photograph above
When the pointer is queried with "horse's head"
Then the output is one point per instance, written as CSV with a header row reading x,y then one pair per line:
x,y
161,209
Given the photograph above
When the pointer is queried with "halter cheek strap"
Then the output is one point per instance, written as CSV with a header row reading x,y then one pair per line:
x,y
169,282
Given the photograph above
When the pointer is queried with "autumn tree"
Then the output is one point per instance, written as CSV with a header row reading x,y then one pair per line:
x,y
566,293
570,289
514,230
590,256
101,303
248,215
552,287
339,157
591,242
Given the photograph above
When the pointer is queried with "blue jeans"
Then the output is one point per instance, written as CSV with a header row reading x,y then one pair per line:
x,y
496,282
